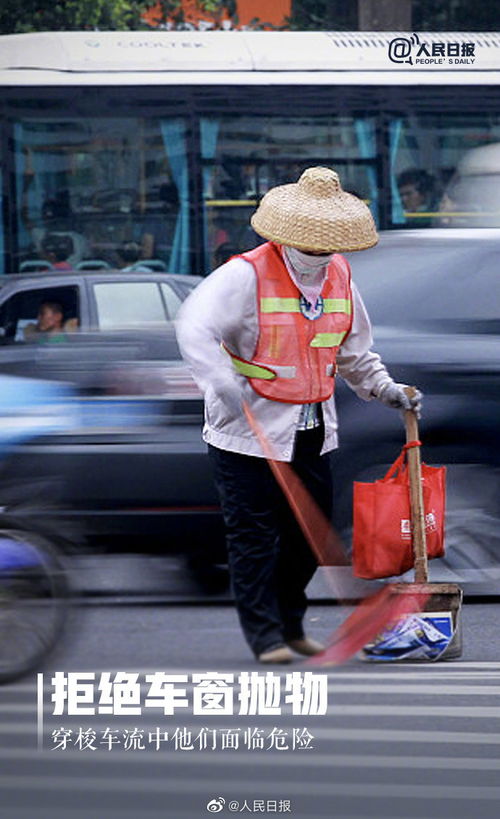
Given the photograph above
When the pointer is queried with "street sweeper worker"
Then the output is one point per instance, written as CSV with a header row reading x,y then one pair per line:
x,y
271,329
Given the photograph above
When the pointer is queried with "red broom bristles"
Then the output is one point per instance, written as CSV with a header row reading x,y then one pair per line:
x,y
374,612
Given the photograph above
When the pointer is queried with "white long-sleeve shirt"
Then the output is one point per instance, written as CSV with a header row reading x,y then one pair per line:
x,y
224,308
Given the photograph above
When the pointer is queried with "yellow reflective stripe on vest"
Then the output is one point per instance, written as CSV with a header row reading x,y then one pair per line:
x,y
247,368
327,339
252,370
274,304
337,306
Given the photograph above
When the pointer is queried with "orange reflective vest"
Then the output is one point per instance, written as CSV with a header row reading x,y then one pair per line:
x,y
294,360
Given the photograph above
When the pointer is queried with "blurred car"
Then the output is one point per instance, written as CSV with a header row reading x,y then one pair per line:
x,y
134,464
131,464
105,301
117,335
432,296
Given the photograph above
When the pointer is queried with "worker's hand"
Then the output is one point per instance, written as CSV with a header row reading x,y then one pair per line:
x,y
229,389
393,395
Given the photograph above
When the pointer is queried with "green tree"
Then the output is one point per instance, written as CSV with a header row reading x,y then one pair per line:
x,y
306,15
70,15
455,15
323,15
427,15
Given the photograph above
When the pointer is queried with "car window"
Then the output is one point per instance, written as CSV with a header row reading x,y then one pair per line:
x,y
19,313
172,300
128,304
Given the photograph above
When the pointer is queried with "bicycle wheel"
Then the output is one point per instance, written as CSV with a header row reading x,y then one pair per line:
x,y
33,600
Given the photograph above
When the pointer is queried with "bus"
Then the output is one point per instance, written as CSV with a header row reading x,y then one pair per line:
x,y
129,148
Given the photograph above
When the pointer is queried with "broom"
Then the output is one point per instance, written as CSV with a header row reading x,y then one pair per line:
x,y
444,597
375,611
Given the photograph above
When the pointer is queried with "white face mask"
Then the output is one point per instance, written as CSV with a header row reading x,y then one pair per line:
x,y
304,264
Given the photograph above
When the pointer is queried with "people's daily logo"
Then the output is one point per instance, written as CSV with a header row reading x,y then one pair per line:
x,y
417,52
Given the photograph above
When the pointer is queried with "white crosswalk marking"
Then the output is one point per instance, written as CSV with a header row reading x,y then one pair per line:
x,y
321,760
387,747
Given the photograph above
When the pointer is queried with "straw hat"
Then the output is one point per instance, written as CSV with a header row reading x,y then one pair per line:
x,y
315,214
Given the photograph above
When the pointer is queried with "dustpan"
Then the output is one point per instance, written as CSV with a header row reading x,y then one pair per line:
x,y
433,632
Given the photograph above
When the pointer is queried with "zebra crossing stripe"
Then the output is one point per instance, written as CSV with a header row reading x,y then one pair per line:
x,y
195,784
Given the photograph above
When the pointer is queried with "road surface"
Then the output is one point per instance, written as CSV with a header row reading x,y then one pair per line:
x,y
396,742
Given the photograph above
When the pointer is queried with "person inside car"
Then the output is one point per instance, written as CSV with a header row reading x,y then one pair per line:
x,y
49,324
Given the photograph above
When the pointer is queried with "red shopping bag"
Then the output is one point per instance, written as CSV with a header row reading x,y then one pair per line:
x,y
382,545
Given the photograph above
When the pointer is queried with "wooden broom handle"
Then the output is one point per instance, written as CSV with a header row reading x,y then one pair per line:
x,y
416,495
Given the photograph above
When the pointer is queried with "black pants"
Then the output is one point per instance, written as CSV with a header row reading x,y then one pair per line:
x,y
270,562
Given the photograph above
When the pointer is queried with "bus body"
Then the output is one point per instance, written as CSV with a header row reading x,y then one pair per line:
x,y
158,145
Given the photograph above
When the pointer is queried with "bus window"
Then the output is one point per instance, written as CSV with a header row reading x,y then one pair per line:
x,y
430,180
244,156
473,193
104,181
170,140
